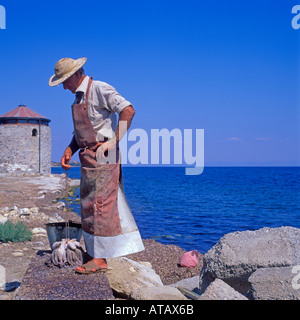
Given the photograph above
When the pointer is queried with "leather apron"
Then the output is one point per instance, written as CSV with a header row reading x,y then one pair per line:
x,y
100,192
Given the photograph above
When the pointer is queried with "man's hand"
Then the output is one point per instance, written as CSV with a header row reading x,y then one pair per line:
x,y
102,151
124,123
66,159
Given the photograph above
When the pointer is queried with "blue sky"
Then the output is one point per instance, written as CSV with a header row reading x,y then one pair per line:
x,y
228,67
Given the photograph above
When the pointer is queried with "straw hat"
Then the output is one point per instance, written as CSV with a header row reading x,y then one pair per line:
x,y
64,69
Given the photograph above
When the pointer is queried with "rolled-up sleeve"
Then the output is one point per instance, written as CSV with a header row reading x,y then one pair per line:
x,y
114,100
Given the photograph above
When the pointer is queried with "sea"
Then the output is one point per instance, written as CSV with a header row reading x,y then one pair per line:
x,y
194,212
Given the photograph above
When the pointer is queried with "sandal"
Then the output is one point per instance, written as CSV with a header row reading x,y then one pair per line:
x,y
90,267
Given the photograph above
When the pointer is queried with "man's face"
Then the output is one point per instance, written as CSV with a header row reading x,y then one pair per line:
x,y
71,83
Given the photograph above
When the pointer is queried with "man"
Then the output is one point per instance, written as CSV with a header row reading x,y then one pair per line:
x,y
109,229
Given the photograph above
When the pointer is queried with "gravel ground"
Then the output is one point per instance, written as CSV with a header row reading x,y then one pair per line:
x,y
165,261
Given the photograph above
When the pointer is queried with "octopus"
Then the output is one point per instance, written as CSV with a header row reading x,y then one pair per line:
x,y
66,252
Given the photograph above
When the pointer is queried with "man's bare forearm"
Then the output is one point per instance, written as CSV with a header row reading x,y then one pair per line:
x,y
124,123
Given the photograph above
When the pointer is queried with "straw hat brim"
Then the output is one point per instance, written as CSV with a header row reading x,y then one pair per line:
x,y
54,81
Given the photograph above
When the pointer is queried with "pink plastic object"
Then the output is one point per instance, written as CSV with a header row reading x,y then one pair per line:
x,y
189,259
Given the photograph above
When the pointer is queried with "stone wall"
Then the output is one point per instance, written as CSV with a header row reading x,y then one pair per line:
x,y
45,150
19,145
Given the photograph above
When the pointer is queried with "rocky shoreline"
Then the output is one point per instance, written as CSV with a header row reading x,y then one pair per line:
x,y
32,200
250,265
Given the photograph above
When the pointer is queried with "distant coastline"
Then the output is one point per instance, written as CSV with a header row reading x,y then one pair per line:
x,y
72,164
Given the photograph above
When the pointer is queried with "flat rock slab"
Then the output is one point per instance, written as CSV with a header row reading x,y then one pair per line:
x,y
52,283
220,290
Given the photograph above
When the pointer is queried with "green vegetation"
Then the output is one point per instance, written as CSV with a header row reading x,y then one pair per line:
x,y
14,232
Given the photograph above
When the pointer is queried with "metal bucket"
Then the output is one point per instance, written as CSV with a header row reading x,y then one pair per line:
x,y
57,231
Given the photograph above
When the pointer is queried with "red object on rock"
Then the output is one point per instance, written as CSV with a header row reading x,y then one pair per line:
x,y
189,259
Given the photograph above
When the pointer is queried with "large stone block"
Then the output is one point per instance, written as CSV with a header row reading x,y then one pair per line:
x,y
237,255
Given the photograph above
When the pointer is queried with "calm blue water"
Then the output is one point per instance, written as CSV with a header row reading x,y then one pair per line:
x,y
194,212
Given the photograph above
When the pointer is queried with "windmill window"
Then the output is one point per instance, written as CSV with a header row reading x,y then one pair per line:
x,y
34,132
43,122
